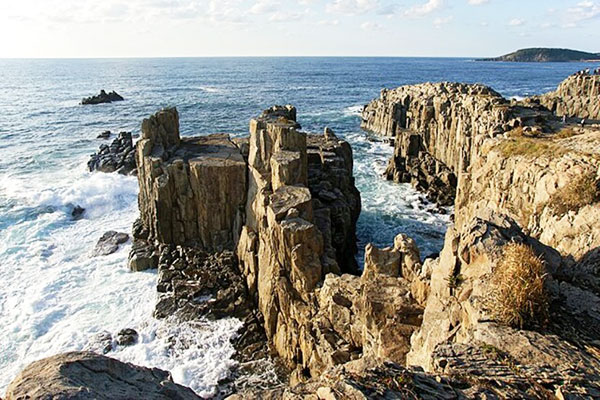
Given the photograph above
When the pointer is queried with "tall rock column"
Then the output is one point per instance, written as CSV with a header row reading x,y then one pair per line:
x,y
192,190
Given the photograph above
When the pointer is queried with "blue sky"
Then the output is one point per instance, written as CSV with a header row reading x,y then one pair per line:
x,y
164,28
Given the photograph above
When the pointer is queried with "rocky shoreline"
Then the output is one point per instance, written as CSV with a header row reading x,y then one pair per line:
x,y
263,228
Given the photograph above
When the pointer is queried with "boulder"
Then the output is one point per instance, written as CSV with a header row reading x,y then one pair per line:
x,y
85,375
127,337
109,243
103,97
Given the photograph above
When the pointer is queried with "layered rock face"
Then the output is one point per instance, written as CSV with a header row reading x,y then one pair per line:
x,y
525,187
437,128
576,96
289,251
524,177
192,190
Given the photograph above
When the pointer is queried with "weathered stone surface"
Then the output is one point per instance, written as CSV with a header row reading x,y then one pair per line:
x,y
192,190
336,201
523,187
109,243
300,215
118,157
576,96
143,256
84,375
103,97
438,128
458,316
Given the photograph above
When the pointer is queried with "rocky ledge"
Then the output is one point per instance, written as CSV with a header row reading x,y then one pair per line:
x,y
103,97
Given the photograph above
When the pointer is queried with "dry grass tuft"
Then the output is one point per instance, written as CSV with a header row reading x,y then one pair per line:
x,y
522,146
583,190
520,297
566,133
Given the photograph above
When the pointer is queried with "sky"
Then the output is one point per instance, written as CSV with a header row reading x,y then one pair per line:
x,y
198,28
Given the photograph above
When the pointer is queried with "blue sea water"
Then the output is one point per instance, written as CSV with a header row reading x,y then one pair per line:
x,y
54,297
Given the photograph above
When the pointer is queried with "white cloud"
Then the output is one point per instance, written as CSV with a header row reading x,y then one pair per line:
x,y
264,6
351,7
424,9
370,26
585,10
517,22
478,2
282,16
439,21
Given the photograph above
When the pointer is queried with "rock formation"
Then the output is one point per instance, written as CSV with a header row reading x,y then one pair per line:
x,y
576,96
522,177
109,243
118,157
103,97
192,190
438,128
84,375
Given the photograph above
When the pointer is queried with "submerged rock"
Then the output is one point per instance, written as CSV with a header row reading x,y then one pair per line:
x,y
77,212
104,135
103,97
127,337
109,243
118,157
85,375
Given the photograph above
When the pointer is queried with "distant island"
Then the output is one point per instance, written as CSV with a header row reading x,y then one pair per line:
x,y
546,55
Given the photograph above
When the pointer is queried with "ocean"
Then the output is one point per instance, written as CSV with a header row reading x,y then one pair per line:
x,y
54,296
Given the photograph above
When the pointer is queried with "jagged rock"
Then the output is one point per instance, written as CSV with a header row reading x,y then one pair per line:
x,y
104,135
84,375
336,201
372,379
103,97
576,96
77,212
300,214
143,256
118,157
192,190
193,283
458,315
127,337
109,243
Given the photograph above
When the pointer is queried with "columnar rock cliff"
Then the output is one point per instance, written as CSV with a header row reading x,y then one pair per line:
x,y
438,128
576,96
522,176
314,317
192,190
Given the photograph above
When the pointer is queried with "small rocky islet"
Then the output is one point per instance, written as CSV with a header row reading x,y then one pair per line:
x,y
263,228
102,97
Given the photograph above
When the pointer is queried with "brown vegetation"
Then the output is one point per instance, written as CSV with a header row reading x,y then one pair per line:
x,y
520,297
583,190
